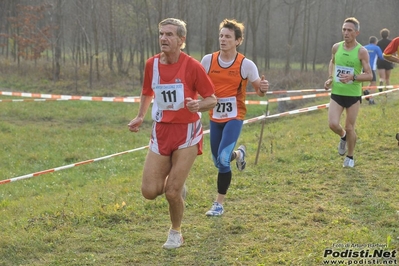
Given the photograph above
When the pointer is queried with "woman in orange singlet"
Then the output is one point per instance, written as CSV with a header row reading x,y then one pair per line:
x,y
230,72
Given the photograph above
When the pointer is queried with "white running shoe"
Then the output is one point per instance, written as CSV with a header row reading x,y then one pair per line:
x,y
216,210
348,162
240,160
342,147
175,240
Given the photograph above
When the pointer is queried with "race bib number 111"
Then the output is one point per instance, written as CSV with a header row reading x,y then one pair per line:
x,y
169,96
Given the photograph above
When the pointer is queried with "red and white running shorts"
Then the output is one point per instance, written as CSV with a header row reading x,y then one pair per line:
x,y
168,137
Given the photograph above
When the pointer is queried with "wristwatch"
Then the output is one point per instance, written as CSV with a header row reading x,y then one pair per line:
x,y
354,78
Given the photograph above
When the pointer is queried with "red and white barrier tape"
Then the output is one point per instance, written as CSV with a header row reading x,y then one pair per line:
x,y
290,91
298,111
381,87
137,98
312,108
323,90
290,98
118,99
299,97
30,100
134,99
251,120
380,93
68,166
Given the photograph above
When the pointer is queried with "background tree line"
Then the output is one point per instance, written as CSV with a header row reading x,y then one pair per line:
x,y
119,35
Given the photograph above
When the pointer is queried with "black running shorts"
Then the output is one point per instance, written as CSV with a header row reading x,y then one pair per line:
x,y
346,101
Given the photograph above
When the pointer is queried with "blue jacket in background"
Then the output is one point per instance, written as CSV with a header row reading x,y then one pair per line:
x,y
374,53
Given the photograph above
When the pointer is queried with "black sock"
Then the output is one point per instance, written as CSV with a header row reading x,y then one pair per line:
x,y
350,157
223,182
233,156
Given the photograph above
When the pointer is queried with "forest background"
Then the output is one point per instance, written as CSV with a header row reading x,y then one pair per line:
x,y
100,46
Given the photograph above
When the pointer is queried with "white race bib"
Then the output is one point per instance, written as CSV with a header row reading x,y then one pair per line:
x,y
225,108
340,70
169,96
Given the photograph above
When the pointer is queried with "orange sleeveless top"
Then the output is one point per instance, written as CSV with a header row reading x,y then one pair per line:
x,y
230,90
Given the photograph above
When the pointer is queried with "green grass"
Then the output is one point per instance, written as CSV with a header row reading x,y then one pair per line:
x,y
286,210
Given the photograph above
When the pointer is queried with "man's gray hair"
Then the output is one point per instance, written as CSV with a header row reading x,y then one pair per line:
x,y
181,27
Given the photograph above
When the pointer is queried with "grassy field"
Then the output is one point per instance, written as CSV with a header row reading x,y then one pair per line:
x,y
291,207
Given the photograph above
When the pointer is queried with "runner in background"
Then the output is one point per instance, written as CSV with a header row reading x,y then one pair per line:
x,y
345,80
374,54
384,67
391,53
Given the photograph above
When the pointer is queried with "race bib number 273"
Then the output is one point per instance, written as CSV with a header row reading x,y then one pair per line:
x,y
225,108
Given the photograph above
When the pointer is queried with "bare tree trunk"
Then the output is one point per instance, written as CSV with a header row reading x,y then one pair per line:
x,y
307,34
304,37
95,36
76,74
184,11
142,60
4,7
111,49
79,49
58,34
160,17
254,10
316,40
91,70
294,8
148,12
267,35
87,47
119,57
211,25
17,49
9,11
